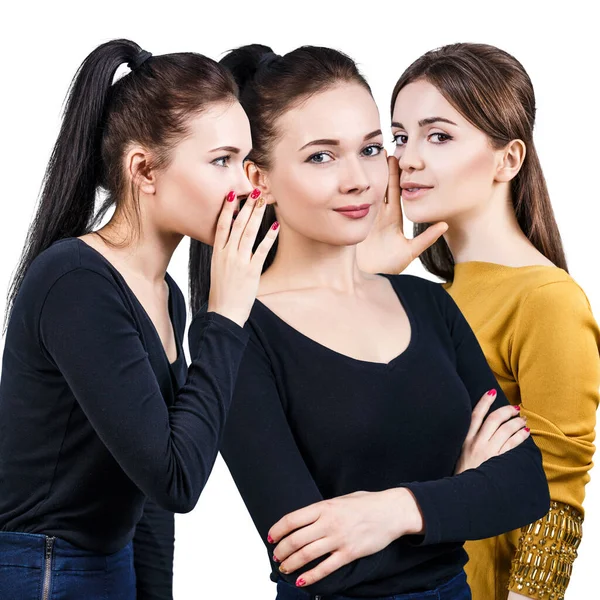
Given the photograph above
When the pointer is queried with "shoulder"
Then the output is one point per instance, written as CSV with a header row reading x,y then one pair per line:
x,y
550,290
66,268
422,293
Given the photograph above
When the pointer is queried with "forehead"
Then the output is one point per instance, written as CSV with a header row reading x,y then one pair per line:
x,y
343,112
221,124
422,100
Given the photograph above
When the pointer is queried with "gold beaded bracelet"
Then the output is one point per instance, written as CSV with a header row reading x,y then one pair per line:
x,y
543,561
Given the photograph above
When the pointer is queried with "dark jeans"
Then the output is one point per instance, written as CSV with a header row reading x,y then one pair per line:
x,y
38,567
454,589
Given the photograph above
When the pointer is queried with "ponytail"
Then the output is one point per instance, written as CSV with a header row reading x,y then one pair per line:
x,y
150,106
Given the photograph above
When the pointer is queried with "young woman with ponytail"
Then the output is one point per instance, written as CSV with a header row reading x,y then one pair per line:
x,y
462,119
356,391
100,416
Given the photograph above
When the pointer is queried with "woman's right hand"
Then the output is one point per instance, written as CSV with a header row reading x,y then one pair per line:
x,y
500,432
235,270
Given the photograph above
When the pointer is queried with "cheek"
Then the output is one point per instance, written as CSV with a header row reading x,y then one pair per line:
x,y
463,180
190,202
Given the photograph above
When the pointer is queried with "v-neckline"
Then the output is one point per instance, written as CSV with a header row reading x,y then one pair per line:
x,y
412,342
169,305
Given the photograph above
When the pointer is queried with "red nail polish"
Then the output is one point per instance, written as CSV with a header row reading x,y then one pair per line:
x,y
527,429
275,226
517,407
300,582
269,539
491,393
275,558
231,196
255,194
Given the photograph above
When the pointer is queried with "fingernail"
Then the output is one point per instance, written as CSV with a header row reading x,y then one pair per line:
x,y
517,407
275,226
275,558
231,197
527,429
300,582
255,194
283,570
269,539
491,393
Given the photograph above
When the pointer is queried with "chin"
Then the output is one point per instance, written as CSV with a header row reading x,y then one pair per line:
x,y
417,215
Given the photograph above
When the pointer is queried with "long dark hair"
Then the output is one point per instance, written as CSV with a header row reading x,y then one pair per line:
x,y
150,106
492,90
269,86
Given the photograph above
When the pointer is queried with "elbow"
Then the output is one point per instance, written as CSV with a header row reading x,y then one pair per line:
x,y
178,501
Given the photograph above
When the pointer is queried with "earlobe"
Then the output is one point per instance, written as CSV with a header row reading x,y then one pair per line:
x,y
511,161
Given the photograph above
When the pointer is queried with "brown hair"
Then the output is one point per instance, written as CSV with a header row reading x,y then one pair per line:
x,y
492,90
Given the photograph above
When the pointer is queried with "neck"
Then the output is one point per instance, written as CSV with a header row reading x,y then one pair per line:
x,y
303,263
489,234
146,253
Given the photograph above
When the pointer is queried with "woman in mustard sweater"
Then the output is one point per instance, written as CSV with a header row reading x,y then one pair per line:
x,y
462,121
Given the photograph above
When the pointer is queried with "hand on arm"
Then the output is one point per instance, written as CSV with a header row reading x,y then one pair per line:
x,y
491,434
347,528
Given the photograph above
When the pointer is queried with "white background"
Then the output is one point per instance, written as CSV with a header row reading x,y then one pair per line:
x,y
218,552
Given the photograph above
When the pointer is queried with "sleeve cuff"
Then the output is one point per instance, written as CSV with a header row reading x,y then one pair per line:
x,y
203,318
545,554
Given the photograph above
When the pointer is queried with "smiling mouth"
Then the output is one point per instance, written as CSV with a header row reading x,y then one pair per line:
x,y
354,212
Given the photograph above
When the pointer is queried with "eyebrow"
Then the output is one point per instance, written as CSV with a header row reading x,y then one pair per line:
x,y
231,149
331,142
428,121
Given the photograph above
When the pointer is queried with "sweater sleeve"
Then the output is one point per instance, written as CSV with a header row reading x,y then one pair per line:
x,y
555,358
479,503
88,332
268,468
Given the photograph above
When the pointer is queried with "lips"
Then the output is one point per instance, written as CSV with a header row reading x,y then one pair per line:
x,y
355,211
412,190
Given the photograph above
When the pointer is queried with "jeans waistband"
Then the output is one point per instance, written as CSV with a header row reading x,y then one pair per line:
x,y
31,550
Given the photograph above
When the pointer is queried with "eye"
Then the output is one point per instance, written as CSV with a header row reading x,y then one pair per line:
x,y
373,150
400,139
440,138
222,161
319,158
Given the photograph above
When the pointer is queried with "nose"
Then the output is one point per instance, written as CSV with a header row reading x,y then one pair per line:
x,y
353,179
409,157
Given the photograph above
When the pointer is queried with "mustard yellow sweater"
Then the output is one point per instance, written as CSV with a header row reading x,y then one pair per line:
x,y
540,338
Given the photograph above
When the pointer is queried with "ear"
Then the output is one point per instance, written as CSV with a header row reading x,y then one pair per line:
x,y
137,166
511,160
258,178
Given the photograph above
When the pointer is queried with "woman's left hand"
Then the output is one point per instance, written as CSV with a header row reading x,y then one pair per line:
x,y
386,249
347,528
515,596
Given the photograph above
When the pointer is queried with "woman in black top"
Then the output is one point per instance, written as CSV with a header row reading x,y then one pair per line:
x,y
355,392
101,420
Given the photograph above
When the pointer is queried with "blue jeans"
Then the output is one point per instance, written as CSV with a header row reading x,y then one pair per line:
x,y
38,567
456,588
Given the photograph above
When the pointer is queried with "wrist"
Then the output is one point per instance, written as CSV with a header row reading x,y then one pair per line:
x,y
230,314
408,519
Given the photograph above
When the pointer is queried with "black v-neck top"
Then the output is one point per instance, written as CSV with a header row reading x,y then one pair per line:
x,y
93,418
308,423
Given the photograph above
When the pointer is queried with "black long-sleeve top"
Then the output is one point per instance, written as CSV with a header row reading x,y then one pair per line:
x,y
308,423
93,418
